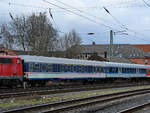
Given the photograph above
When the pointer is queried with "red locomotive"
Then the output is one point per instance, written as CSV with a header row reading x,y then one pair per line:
x,y
11,71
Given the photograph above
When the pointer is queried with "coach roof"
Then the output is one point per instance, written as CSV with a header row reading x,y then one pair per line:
x,y
41,59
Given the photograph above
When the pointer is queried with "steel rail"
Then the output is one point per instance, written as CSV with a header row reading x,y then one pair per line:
x,y
57,91
135,108
77,103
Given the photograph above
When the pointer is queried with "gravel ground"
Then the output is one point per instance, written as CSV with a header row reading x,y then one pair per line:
x,y
61,97
114,107
144,110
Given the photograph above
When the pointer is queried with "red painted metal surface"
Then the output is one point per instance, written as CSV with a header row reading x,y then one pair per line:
x,y
13,69
147,72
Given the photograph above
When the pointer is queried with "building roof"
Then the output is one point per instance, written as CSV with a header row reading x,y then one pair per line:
x,y
5,51
120,50
47,54
144,47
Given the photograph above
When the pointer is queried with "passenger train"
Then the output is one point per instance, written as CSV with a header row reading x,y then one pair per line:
x,y
37,69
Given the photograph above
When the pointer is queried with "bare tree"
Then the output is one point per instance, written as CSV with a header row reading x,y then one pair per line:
x,y
32,33
6,37
69,42
70,39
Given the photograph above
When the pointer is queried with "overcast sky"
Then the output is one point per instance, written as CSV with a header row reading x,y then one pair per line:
x,y
132,16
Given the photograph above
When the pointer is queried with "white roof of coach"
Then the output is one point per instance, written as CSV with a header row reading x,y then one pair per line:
x,y
126,65
41,59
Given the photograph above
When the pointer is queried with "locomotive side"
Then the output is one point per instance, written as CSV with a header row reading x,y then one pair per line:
x,y
11,72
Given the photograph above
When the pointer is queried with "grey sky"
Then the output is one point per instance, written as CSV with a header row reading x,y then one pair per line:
x,y
134,14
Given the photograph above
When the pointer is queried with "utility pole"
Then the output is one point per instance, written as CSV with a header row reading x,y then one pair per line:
x,y
111,46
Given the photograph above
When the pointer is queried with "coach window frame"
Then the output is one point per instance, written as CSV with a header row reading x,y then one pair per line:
x,y
141,71
62,67
86,69
45,68
79,68
37,67
49,68
31,66
55,67
75,68
68,68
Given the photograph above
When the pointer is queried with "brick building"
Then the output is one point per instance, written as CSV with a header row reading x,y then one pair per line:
x,y
124,53
5,51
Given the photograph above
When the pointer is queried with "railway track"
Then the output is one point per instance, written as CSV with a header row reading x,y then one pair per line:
x,y
135,108
57,91
65,106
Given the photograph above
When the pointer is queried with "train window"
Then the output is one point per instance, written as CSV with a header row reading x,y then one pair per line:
x,y
142,70
55,67
18,61
74,68
79,68
83,69
37,67
94,69
31,67
63,68
5,61
49,68
100,69
86,69
69,68
128,70
113,70
123,70
90,69
44,67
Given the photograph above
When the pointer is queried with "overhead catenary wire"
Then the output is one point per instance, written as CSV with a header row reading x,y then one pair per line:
x,y
123,26
146,3
85,17
65,9
70,8
84,12
74,9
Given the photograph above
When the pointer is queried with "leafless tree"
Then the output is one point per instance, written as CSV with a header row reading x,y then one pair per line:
x,y
6,37
70,39
69,42
32,33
